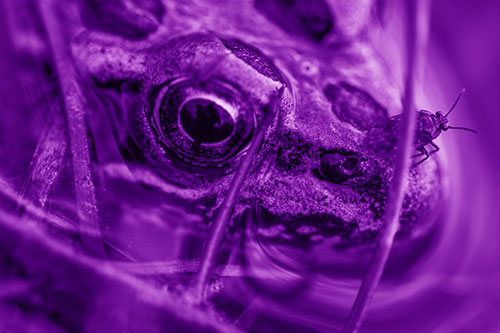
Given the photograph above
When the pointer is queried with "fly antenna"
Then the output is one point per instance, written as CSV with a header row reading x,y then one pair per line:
x,y
456,101
463,128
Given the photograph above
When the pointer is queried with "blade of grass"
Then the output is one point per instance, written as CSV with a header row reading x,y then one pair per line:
x,y
85,279
415,40
47,161
179,266
224,212
76,111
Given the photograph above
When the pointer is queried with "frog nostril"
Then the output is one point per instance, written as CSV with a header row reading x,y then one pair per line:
x,y
340,167
337,168
350,164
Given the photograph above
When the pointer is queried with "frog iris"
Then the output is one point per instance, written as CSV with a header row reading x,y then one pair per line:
x,y
204,123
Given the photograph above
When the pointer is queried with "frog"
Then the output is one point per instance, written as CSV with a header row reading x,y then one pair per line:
x,y
173,94
184,98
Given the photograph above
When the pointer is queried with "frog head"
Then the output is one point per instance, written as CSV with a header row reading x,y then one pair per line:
x,y
180,100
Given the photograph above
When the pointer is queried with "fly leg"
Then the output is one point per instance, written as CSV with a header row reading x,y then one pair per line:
x,y
422,151
435,150
427,154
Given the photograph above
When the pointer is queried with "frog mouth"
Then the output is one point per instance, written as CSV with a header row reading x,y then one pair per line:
x,y
334,245
306,230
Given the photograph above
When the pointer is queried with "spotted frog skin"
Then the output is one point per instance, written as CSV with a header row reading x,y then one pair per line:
x,y
313,182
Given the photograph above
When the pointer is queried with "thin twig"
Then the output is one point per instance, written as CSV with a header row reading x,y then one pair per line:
x,y
74,104
181,266
50,259
402,162
224,213
47,161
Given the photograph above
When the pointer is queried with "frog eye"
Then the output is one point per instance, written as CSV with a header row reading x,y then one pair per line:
x,y
203,123
200,103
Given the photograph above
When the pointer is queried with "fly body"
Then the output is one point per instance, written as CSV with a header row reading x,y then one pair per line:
x,y
429,127
382,141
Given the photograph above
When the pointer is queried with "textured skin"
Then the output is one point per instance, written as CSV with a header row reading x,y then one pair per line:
x,y
326,110
106,203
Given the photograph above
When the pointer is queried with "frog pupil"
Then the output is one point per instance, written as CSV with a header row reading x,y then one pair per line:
x,y
205,121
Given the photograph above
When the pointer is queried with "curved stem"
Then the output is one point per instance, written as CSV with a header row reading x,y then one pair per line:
x,y
76,112
414,37
224,213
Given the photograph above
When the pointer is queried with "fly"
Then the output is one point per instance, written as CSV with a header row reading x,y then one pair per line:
x,y
429,127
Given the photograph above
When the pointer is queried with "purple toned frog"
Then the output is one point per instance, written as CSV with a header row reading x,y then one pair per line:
x,y
132,119
185,98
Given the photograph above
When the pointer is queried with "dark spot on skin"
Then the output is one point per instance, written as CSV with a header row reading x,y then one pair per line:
x,y
294,153
305,18
355,106
113,16
376,191
380,142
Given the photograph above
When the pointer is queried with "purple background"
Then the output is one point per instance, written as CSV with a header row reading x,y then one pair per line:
x,y
456,287
465,42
